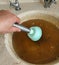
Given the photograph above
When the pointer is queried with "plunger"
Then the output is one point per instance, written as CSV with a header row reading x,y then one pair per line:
x,y
34,33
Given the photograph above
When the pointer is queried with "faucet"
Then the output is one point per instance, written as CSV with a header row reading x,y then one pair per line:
x,y
16,5
47,3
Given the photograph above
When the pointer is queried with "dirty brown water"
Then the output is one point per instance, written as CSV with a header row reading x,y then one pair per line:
x,y
43,51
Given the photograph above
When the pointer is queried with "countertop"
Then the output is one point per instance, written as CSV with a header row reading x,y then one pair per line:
x,y
5,58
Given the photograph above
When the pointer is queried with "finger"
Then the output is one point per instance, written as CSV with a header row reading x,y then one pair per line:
x,y
14,29
18,20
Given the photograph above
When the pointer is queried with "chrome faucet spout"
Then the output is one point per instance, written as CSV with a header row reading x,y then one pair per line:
x,y
15,4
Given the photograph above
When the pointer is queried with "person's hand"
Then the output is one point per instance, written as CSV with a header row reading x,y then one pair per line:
x,y
7,19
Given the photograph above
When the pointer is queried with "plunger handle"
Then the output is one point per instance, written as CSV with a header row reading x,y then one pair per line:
x,y
23,28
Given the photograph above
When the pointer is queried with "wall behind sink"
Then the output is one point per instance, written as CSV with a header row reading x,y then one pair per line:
x,y
21,1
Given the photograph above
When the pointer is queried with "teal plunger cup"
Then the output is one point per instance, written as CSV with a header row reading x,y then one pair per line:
x,y
34,33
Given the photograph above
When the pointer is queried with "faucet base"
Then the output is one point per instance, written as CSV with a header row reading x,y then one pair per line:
x,y
17,9
47,3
